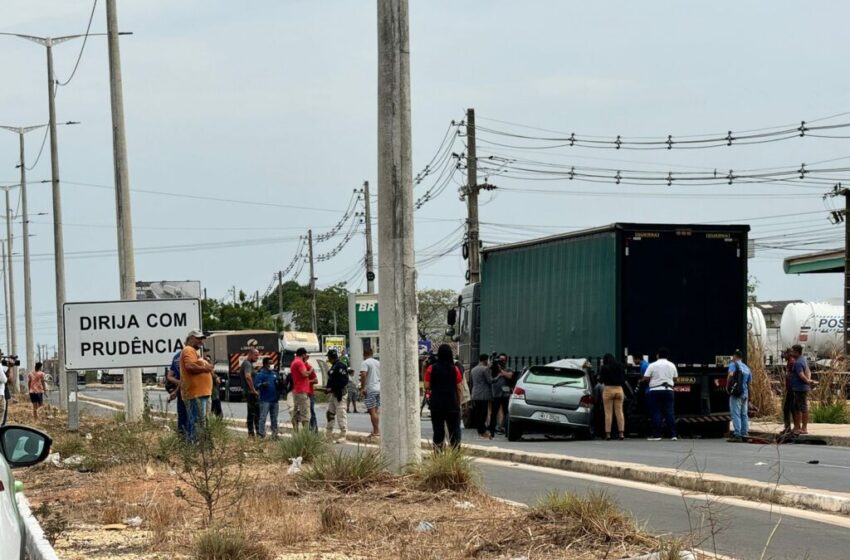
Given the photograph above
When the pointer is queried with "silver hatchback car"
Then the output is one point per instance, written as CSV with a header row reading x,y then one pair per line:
x,y
553,398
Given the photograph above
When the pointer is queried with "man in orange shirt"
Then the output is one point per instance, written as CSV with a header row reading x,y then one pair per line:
x,y
196,382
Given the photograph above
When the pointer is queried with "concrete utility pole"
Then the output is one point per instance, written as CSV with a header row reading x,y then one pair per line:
x,y
133,392
472,226
5,296
29,359
313,316
280,298
367,216
13,344
400,429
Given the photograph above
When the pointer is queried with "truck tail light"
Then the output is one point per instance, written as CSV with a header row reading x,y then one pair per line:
x,y
519,393
720,382
587,401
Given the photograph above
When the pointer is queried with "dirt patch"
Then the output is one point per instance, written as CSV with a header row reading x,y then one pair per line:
x,y
130,503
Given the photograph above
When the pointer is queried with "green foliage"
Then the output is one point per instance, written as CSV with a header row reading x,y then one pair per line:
x,y
346,472
834,413
243,314
302,443
296,298
228,544
433,306
594,516
752,286
447,469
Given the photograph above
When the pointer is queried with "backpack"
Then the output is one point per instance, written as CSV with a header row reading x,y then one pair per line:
x,y
735,388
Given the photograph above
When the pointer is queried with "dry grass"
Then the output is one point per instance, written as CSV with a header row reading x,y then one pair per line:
x,y
765,391
379,516
346,472
447,469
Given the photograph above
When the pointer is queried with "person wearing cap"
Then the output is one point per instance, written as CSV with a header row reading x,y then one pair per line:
x,y
336,387
195,382
300,370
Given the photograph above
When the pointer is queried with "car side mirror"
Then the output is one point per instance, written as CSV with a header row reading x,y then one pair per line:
x,y
24,447
451,317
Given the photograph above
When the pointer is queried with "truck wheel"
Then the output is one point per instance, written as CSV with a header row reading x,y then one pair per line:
x,y
514,430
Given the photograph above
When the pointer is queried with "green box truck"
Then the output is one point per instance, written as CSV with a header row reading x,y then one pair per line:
x,y
626,289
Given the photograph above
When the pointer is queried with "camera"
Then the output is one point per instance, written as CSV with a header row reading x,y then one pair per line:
x,y
10,361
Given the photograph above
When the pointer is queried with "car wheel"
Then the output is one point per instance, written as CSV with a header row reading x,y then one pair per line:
x,y
514,430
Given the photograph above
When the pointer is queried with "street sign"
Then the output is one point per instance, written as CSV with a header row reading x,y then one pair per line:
x,y
335,342
370,276
364,310
127,334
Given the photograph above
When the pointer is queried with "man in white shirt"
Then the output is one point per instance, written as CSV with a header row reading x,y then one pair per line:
x,y
661,375
370,389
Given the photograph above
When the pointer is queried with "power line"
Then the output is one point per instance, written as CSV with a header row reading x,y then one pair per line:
x,y
82,48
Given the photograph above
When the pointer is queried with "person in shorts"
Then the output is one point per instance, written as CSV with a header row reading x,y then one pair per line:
x,y
300,371
37,388
801,384
370,389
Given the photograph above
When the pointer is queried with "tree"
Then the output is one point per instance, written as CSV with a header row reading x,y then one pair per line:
x,y
433,306
241,315
752,286
330,302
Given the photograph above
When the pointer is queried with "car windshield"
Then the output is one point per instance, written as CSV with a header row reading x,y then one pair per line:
x,y
557,377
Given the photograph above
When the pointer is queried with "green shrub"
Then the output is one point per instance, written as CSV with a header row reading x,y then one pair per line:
x,y
301,443
447,469
835,413
228,544
593,515
346,472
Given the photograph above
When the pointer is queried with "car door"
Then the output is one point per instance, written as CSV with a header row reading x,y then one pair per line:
x,y
11,537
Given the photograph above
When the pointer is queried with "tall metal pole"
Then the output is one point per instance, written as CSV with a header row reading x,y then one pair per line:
x,y
58,242
29,361
473,229
367,216
400,429
314,319
13,343
133,392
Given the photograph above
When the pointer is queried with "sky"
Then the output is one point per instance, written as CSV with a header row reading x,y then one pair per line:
x,y
250,123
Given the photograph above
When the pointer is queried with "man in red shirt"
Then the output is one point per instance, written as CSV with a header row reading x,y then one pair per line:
x,y
301,370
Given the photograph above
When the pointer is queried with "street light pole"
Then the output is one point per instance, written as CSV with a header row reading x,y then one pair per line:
x,y
9,246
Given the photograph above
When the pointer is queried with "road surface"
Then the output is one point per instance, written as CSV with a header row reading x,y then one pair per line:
x,y
755,462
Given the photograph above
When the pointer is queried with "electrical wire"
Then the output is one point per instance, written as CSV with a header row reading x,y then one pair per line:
x,y
82,48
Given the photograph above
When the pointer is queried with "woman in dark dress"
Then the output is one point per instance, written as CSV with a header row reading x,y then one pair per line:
x,y
444,381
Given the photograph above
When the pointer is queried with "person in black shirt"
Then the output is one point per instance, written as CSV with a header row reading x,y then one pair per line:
x,y
445,382
613,377
337,389
252,396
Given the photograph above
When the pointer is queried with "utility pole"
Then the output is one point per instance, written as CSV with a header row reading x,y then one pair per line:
x,y
21,131
280,298
6,296
13,343
400,429
367,215
314,318
472,226
133,392
846,193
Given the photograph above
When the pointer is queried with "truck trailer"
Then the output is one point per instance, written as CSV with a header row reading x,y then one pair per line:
x,y
623,289
229,349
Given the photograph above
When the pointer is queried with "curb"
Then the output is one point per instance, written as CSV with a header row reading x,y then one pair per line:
x,y
35,545
781,494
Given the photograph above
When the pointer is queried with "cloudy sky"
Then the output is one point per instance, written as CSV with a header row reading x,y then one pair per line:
x,y
250,122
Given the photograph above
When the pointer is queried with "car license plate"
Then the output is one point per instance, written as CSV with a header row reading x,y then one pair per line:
x,y
548,417
682,389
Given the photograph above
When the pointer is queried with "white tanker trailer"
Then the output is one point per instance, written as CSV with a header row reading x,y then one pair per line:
x,y
817,327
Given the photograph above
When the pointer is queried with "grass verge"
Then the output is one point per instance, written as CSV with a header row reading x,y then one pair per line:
x,y
346,472
448,469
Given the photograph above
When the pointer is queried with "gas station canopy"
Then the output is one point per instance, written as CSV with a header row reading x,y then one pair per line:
x,y
811,263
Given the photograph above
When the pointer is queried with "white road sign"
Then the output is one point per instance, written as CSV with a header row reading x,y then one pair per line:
x,y
125,334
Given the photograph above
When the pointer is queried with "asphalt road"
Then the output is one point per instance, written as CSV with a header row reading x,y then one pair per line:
x,y
742,529
756,462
